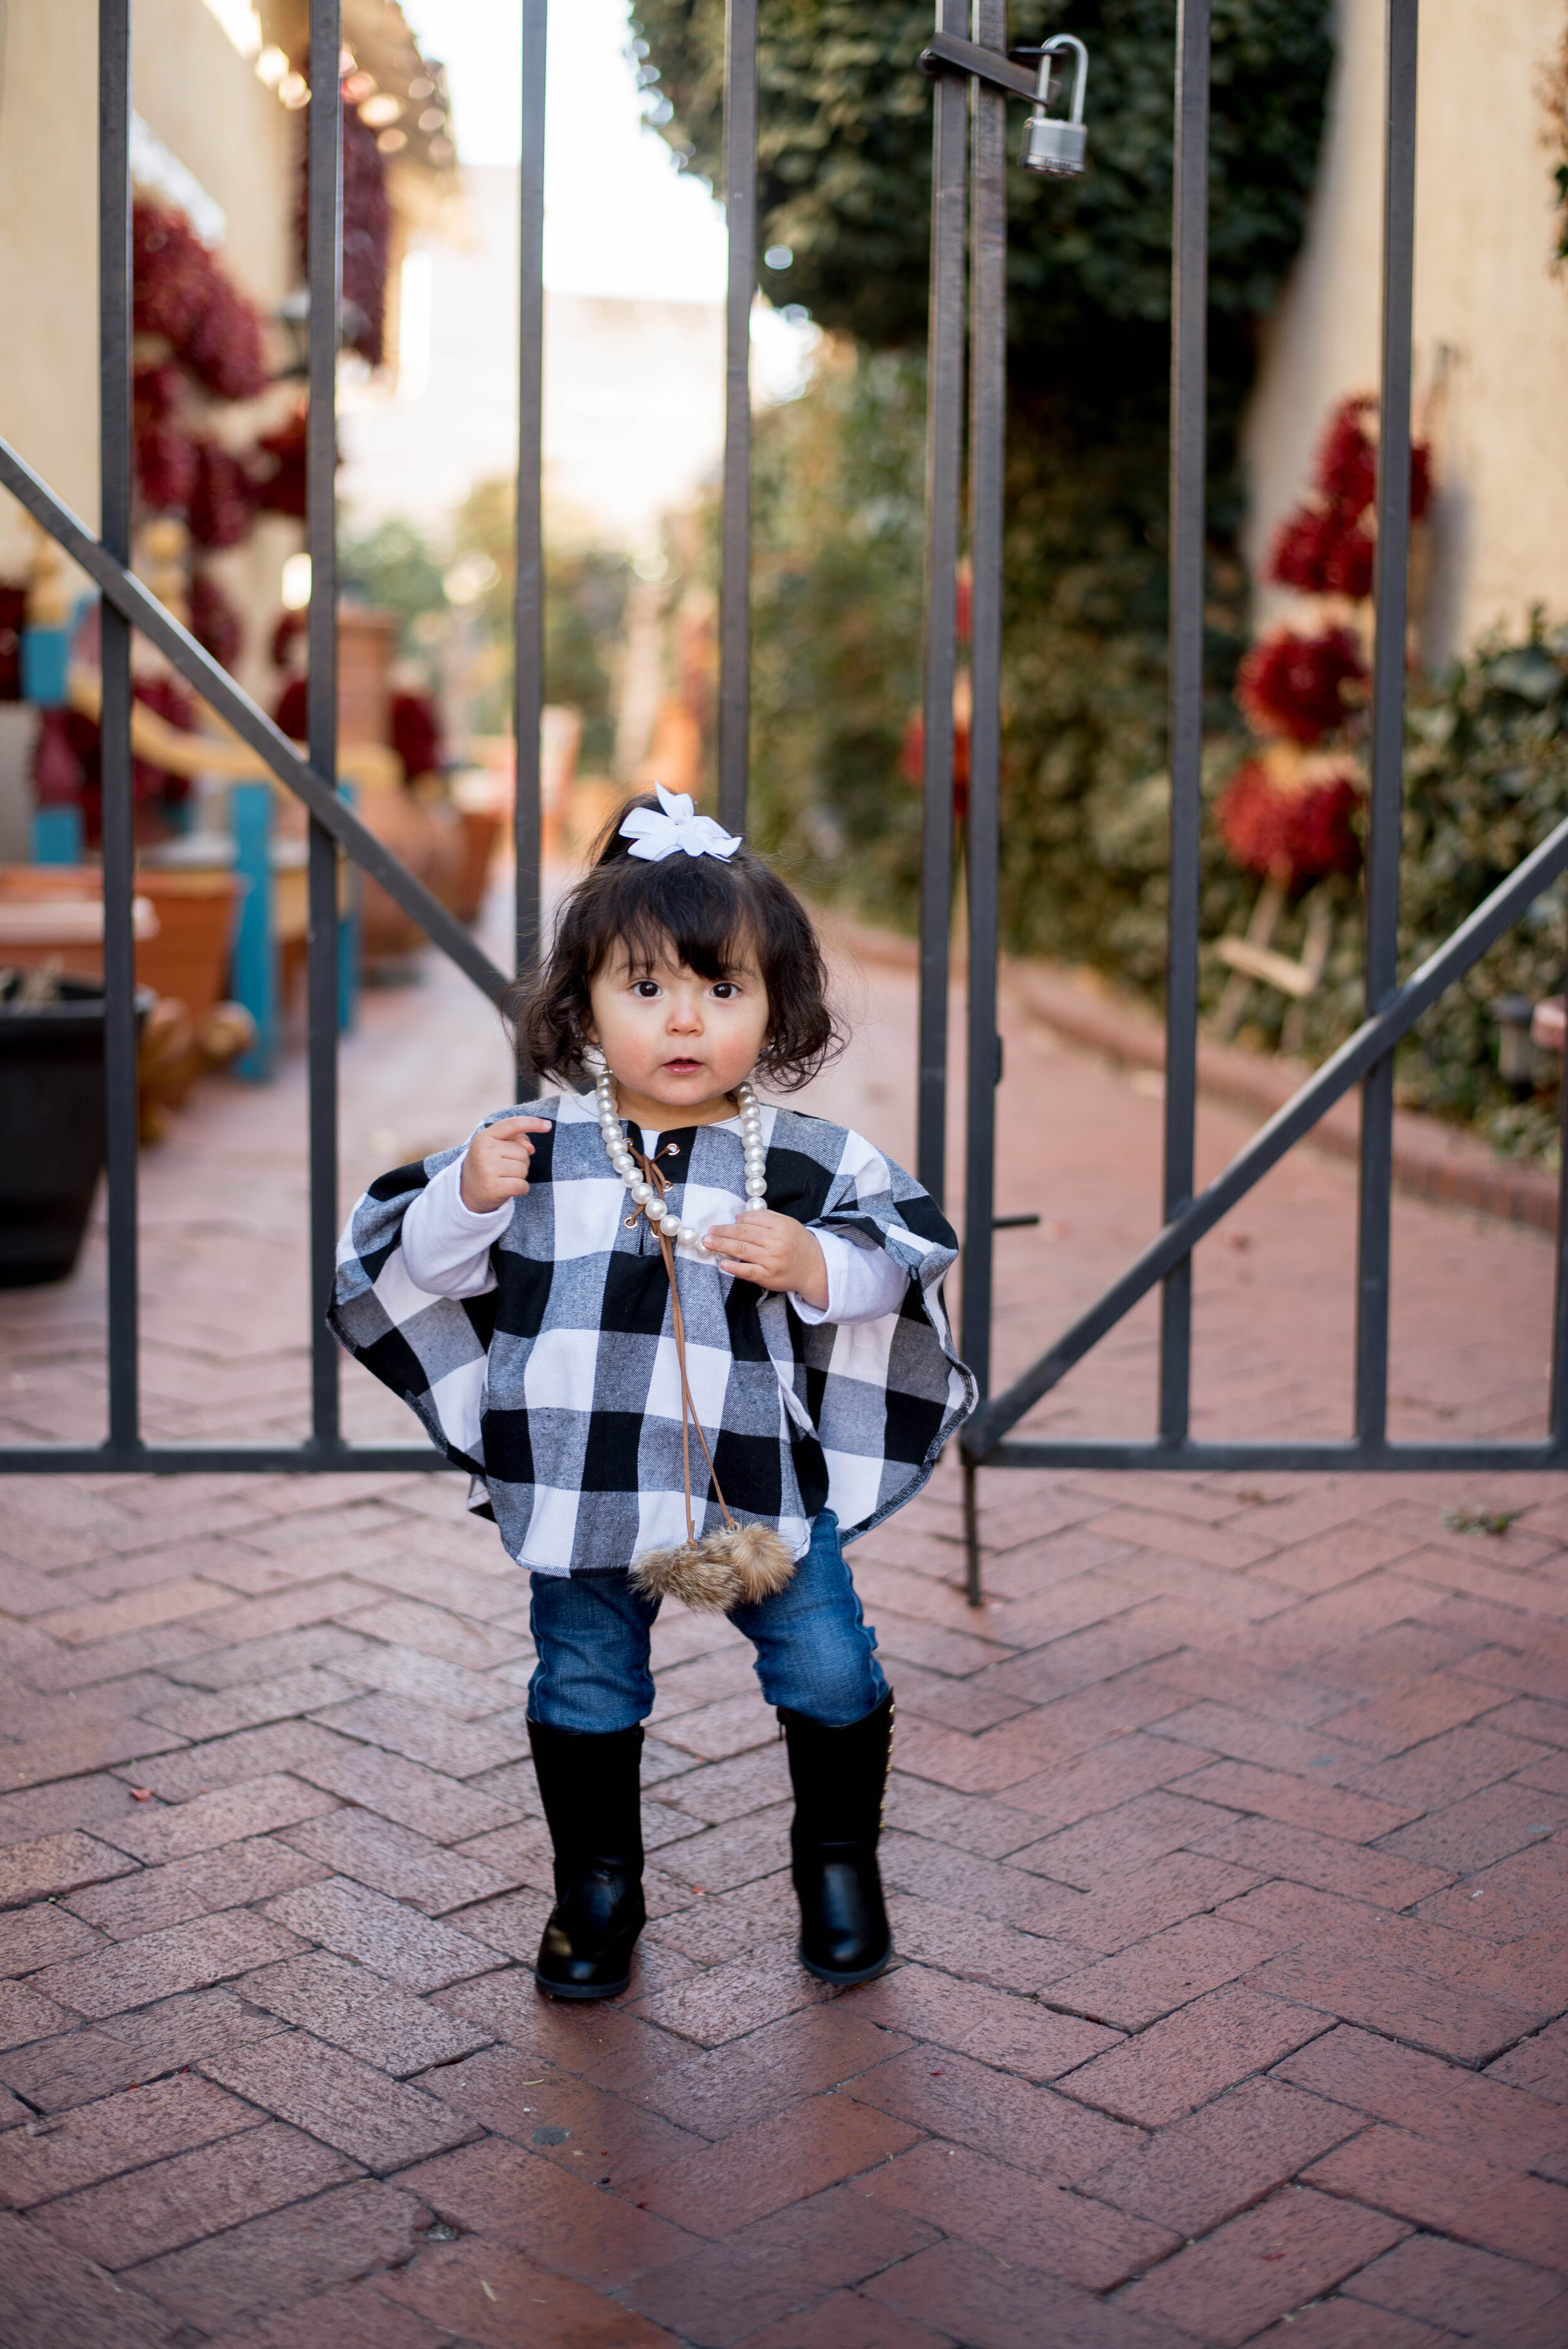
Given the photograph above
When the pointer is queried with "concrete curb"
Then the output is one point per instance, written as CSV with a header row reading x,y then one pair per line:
x,y
1431,1160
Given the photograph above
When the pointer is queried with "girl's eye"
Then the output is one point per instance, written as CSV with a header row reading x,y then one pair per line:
x,y
645,990
724,989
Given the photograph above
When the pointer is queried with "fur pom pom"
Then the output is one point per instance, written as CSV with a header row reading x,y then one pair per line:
x,y
718,1572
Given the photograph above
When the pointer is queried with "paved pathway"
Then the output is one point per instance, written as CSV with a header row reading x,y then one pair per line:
x,y
1225,1843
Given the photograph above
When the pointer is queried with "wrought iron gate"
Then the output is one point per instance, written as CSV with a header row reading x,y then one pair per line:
x,y
1390,1009
972,79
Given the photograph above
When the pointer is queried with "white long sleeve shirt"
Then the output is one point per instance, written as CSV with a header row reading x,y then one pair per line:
x,y
446,1253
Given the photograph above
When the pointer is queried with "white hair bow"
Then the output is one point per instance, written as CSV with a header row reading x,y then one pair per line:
x,y
655,836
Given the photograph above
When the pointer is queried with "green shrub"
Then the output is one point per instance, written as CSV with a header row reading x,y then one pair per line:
x,y
837,659
844,152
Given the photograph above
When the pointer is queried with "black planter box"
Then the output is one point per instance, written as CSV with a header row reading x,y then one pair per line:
x,y
51,1128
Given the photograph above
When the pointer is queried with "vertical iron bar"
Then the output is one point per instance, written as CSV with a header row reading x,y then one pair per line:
x,y
735,569
987,421
973,1591
987,429
1557,1403
1389,594
324,269
943,491
118,832
528,615
1189,357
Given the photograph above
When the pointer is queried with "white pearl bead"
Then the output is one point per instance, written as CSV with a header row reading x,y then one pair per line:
x,y
656,1211
639,1191
756,1188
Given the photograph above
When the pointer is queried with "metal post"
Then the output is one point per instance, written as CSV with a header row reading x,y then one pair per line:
x,y
1381,974
987,426
943,490
735,568
972,1591
323,268
1188,314
119,797
528,615
1557,1406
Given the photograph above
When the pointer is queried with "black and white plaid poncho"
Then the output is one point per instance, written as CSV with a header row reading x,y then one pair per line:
x,y
559,1387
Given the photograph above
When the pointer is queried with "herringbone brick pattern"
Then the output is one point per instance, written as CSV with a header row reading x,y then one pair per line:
x,y
1225,1847
1231,1913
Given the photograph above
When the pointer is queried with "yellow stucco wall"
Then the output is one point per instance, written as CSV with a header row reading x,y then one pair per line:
x,y
203,101
49,247
1491,319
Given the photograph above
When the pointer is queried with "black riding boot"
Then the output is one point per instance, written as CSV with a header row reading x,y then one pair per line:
x,y
591,1786
839,1777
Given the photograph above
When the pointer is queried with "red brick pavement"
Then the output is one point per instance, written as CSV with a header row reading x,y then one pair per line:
x,y
1225,1850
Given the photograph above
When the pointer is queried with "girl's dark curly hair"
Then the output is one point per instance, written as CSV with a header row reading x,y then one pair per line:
x,y
714,913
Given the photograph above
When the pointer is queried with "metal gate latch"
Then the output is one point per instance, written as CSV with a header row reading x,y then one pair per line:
x,y
1055,145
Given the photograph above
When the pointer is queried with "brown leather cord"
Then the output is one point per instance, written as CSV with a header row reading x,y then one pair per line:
x,y
659,1183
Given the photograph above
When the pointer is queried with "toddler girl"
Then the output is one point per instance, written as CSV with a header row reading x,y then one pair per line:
x,y
687,1346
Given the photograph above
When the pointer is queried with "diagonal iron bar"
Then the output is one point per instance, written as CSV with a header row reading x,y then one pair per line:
x,y
1371,1042
272,747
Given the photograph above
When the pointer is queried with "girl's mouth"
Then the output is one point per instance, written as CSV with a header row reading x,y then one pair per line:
x,y
682,1068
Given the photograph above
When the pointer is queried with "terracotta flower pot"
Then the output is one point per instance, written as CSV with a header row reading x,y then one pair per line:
x,y
189,958
184,926
429,841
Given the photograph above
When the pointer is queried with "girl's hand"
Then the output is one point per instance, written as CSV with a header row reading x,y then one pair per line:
x,y
496,1168
774,1251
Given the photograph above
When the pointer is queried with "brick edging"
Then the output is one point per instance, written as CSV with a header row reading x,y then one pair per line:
x,y
1431,1160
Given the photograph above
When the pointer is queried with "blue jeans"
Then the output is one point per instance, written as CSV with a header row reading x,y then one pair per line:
x,y
815,1651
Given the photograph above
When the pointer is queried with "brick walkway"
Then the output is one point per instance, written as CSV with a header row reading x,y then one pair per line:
x,y
1224,1843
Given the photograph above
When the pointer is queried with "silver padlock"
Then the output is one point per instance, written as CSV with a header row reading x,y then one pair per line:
x,y
1052,144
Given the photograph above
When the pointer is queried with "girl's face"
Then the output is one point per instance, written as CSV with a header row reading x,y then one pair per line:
x,y
675,1040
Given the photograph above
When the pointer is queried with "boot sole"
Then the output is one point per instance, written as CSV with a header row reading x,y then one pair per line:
x,y
581,1989
844,1981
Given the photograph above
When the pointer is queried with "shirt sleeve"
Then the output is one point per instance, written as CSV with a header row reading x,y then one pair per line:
x,y
446,1247
864,1283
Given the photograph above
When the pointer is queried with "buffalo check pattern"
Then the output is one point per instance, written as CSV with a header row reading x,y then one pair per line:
x,y
558,1388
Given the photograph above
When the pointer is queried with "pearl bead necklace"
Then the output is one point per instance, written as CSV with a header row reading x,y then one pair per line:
x,y
642,1192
